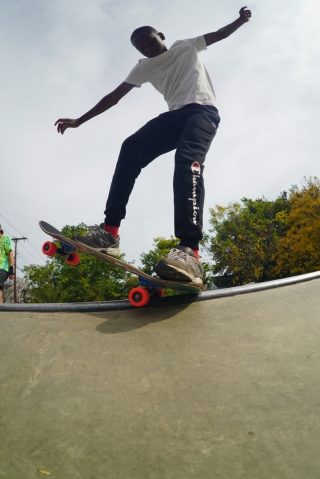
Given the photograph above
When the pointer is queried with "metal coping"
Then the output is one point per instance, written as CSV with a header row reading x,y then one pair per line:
x,y
169,300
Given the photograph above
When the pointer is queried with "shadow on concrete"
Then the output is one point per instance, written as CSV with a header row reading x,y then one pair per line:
x,y
125,321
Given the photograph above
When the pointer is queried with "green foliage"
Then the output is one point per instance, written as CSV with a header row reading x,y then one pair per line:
x,y
260,240
91,280
252,240
68,231
245,237
299,251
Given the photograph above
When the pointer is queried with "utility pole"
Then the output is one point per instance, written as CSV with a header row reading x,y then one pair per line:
x,y
15,265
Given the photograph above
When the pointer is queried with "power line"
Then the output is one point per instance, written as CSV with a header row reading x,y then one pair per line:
x,y
24,259
31,253
35,250
11,225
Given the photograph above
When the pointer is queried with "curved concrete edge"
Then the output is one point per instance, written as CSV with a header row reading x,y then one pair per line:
x,y
254,287
67,307
169,300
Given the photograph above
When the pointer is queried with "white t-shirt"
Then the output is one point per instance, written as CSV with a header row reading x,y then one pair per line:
x,y
178,74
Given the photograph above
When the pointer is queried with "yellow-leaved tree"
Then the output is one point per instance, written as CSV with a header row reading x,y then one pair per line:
x,y
244,239
298,251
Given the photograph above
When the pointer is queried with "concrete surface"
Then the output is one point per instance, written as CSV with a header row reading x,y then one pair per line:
x,y
225,388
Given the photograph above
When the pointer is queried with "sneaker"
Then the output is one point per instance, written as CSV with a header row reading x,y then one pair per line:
x,y
99,240
180,265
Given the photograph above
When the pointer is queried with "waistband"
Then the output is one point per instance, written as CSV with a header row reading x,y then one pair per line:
x,y
208,108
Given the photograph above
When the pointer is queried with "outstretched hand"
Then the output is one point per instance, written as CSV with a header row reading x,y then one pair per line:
x,y
245,15
64,123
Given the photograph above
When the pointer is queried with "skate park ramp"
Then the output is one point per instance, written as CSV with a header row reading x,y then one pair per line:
x,y
223,388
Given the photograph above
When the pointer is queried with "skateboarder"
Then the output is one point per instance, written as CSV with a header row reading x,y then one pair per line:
x,y
188,127
6,260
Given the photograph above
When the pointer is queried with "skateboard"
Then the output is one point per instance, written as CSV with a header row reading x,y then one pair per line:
x,y
149,286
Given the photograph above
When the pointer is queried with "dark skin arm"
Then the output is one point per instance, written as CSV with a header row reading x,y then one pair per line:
x,y
104,104
244,17
11,276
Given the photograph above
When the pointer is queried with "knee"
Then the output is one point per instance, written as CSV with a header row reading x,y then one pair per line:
x,y
129,158
129,145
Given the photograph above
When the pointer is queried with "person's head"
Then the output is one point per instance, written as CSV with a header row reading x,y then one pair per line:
x,y
148,41
1,231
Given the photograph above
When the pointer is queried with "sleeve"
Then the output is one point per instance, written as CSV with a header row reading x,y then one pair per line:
x,y
8,244
135,77
198,42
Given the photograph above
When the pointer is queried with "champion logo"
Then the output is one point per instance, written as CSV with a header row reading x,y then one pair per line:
x,y
214,125
196,171
195,167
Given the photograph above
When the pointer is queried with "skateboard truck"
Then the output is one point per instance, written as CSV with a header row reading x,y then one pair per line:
x,y
51,249
141,295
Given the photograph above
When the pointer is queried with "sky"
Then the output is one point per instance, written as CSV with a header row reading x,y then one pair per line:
x,y
58,59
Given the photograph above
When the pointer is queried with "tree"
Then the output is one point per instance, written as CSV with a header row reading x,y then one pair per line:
x,y
91,280
244,238
299,250
8,291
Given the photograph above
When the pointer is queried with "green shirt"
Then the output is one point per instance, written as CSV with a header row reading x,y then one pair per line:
x,y
5,247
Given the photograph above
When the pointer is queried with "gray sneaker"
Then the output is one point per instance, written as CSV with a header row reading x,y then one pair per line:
x,y
180,265
100,240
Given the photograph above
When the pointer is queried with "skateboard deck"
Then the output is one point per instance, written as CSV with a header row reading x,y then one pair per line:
x,y
148,285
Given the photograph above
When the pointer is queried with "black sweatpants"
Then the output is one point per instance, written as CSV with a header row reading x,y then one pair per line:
x,y
190,131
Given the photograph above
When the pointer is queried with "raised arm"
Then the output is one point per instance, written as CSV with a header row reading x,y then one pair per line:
x,y
107,102
11,264
244,17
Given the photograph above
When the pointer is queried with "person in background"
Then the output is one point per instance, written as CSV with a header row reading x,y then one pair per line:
x,y
6,260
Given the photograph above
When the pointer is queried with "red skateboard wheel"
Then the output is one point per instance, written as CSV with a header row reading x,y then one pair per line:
x,y
158,293
139,297
73,259
49,248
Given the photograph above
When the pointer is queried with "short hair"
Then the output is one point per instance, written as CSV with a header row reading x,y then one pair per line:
x,y
139,30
